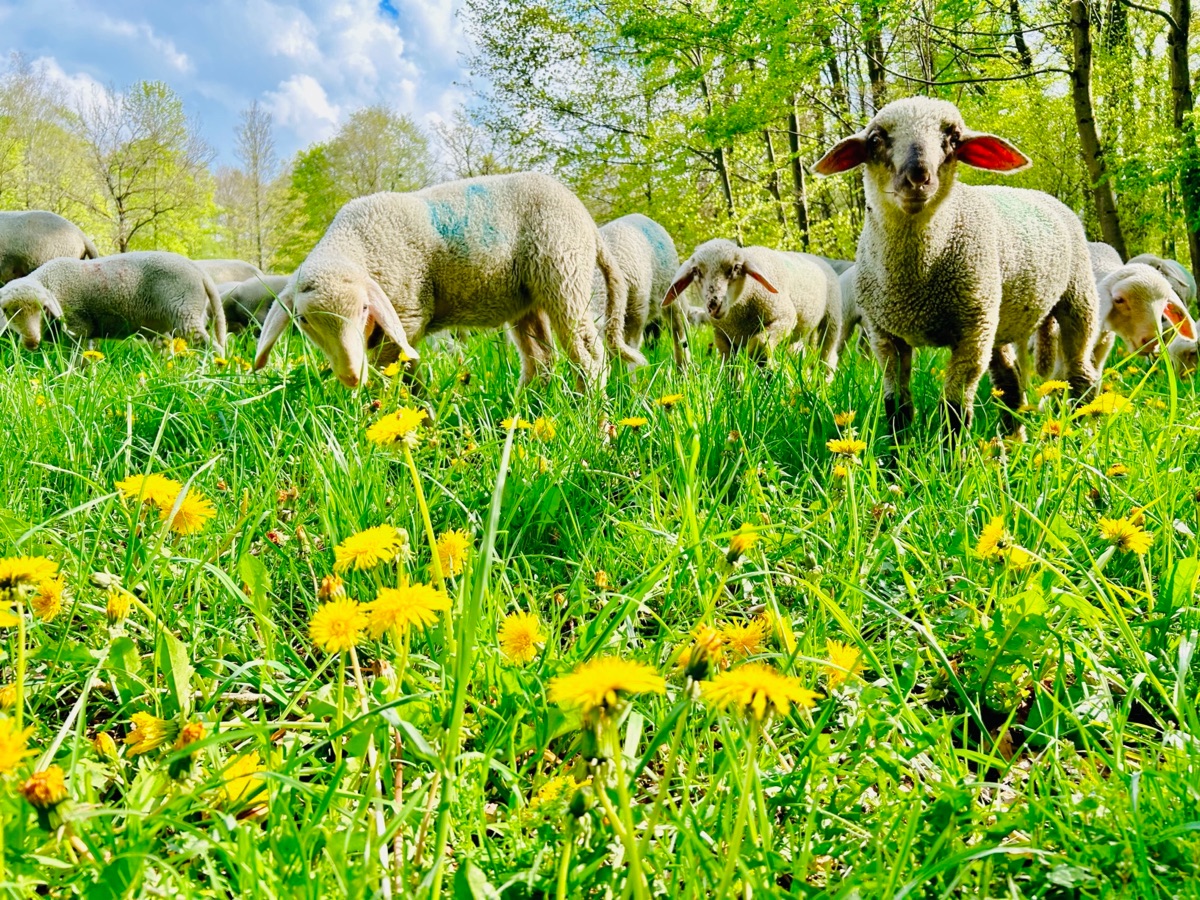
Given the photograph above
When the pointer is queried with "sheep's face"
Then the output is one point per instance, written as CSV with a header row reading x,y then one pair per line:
x,y
909,152
719,269
1136,297
1185,356
22,303
332,312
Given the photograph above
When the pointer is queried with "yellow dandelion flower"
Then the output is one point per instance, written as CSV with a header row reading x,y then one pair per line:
x,y
1046,388
521,637
452,549
517,423
105,746
189,734
1052,429
668,400
400,425
45,789
1018,557
741,542
634,422
544,429
997,393
47,602
1117,470
842,419
561,787
117,607
600,579
846,446
599,685
369,548
8,696
744,639
1125,535
1107,404
1137,516
220,362
92,356
758,691
337,625
13,748
26,571
195,510
156,489
404,607
1047,455
992,541
179,346
392,370
149,732
841,471
845,662
702,657
243,778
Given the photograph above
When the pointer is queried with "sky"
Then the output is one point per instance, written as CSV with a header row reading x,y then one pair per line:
x,y
310,63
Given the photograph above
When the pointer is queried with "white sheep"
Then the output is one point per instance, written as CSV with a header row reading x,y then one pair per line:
x,y
246,302
477,253
1184,348
1182,281
969,267
851,313
116,296
758,299
222,271
838,265
29,239
644,252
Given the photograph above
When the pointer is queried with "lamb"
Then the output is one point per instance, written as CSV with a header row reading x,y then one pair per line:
x,y
1182,281
246,302
115,296
1184,349
647,258
969,267
227,270
851,314
29,239
476,253
758,298
840,266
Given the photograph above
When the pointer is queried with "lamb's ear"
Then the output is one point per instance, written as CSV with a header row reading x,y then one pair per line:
x,y
52,306
848,153
278,318
752,272
1181,319
685,276
989,152
384,314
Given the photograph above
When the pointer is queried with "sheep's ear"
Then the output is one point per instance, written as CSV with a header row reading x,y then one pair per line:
x,y
278,318
52,306
685,276
987,151
1181,319
384,314
847,154
751,272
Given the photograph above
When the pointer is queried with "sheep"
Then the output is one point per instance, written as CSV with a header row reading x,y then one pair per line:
x,y
246,302
227,270
838,265
758,298
1182,281
969,267
851,314
478,253
1184,349
115,296
647,258
29,239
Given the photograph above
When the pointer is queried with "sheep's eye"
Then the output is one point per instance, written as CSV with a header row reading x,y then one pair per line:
x,y
1119,300
302,320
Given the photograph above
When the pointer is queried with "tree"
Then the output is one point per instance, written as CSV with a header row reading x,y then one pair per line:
x,y
469,151
255,150
379,150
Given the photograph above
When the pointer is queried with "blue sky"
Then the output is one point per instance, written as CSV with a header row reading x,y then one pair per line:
x,y
310,63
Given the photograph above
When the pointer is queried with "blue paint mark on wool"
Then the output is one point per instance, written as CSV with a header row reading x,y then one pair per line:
x,y
453,224
658,239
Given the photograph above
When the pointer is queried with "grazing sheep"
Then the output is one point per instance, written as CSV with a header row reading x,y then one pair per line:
x,y
759,298
477,253
227,270
246,302
29,239
1182,281
969,267
646,256
116,296
1184,348
838,265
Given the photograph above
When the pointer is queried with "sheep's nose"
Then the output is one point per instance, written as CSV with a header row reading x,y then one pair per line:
x,y
918,175
351,381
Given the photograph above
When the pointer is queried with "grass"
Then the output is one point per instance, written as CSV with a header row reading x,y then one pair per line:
x,y
1022,725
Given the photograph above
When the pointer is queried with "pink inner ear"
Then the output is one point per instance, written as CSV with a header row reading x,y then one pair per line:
x,y
989,152
678,288
370,329
845,156
1181,321
761,279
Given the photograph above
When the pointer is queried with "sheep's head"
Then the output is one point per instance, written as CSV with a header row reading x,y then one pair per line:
x,y
337,306
1137,297
720,269
1183,349
909,151
22,304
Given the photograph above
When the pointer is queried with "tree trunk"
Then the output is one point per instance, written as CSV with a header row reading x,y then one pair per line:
x,y
722,166
872,29
799,190
1022,48
1181,95
773,179
1089,136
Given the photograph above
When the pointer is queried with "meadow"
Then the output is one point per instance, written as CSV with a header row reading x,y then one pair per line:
x,y
697,638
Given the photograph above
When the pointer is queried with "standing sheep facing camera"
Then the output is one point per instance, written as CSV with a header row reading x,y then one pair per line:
x,y
29,239
477,253
116,296
973,268
759,299
646,256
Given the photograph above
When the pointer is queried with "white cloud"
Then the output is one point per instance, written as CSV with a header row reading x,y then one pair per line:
x,y
300,103
140,31
81,89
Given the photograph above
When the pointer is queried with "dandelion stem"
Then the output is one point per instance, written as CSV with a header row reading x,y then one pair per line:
x,y
743,813
564,864
339,713
20,681
435,562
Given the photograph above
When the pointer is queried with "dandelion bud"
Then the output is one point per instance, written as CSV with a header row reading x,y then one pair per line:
x,y
117,609
8,696
601,579
105,746
45,789
331,588
189,734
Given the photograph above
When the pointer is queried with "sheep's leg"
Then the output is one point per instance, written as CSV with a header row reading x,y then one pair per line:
x,y
895,358
963,372
831,343
679,336
578,336
1076,315
1007,379
531,334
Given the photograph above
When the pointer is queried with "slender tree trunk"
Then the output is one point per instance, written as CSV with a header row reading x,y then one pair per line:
x,y
773,178
799,189
1089,136
1182,102
1022,48
720,158
872,29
